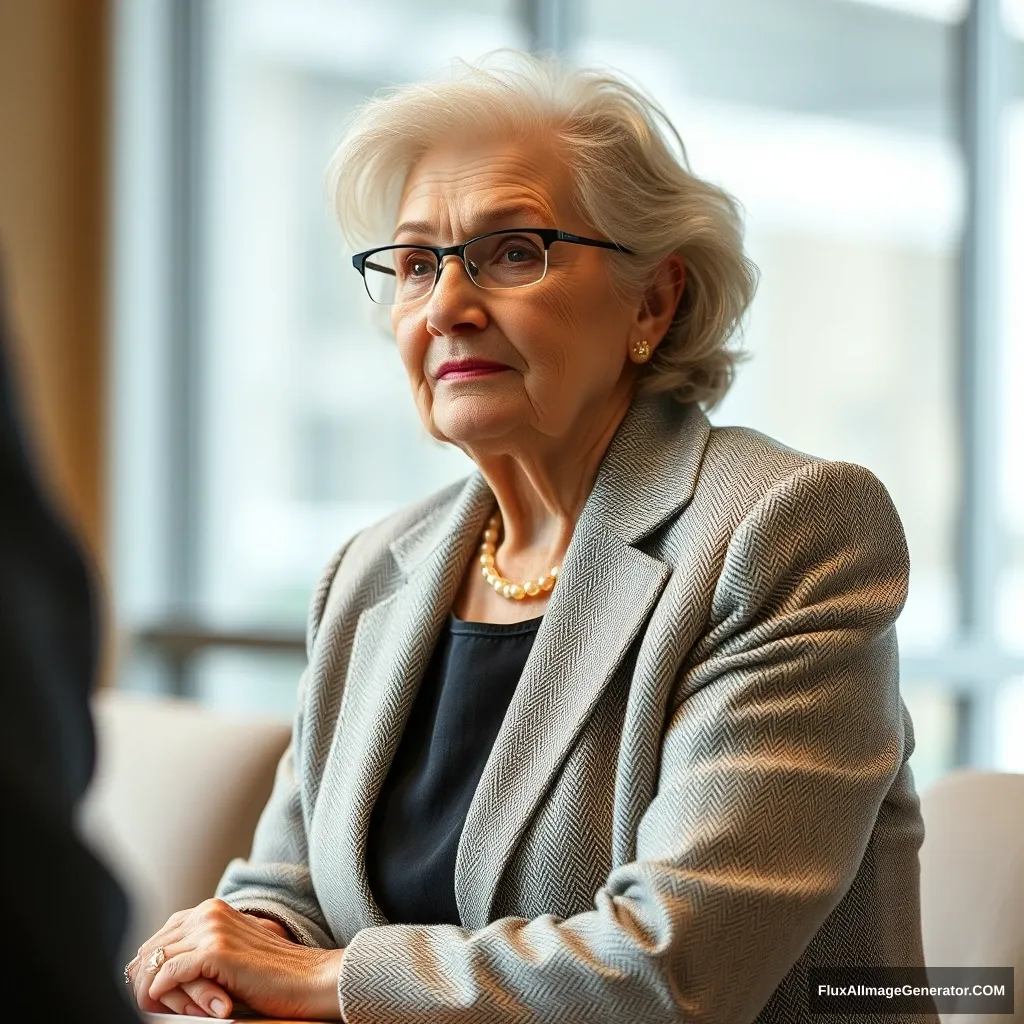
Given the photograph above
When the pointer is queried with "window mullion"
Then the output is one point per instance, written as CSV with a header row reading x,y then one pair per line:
x,y
984,78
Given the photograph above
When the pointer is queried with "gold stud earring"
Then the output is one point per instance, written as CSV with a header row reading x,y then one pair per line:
x,y
640,351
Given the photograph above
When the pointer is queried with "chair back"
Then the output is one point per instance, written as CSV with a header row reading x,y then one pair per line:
x,y
972,878
177,793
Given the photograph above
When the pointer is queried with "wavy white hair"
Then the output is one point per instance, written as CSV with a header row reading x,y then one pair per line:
x,y
629,183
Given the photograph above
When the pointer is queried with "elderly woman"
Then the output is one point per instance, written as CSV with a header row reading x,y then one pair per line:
x,y
611,730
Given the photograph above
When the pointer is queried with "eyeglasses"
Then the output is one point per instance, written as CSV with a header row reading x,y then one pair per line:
x,y
510,258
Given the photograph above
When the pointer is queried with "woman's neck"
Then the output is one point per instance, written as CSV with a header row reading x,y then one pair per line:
x,y
542,485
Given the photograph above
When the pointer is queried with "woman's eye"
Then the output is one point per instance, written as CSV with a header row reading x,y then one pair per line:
x,y
518,253
418,266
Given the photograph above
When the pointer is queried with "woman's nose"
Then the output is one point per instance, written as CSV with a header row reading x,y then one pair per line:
x,y
455,298
459,272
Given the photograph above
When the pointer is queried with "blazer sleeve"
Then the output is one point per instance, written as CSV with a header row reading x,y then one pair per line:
x,y
276,881
782,740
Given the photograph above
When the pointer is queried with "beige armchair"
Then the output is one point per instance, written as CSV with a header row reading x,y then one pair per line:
x,y
972,878
177,794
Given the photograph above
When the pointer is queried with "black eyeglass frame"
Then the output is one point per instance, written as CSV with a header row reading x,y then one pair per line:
x,y
547,235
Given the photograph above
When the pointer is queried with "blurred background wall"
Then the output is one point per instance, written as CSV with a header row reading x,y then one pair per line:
x,y
54,116
237,417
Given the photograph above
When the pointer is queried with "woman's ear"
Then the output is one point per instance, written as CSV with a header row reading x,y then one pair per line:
x,y
661,298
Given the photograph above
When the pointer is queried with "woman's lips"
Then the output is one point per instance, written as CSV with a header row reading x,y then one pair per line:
x,y
463,371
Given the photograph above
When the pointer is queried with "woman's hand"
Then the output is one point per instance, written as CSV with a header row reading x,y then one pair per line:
x,y
214,951
271,925
206,998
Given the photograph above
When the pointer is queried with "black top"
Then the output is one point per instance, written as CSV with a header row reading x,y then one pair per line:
x,y
421,810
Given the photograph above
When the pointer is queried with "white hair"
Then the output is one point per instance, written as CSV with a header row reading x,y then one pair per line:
x,y
629,183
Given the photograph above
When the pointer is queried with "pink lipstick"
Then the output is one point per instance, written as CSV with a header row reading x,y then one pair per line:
x,y
463,369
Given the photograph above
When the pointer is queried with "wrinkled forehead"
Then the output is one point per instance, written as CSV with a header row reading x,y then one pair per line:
x,y
460,188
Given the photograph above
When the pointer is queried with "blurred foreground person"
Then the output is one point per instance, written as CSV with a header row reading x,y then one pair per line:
x,y
64,915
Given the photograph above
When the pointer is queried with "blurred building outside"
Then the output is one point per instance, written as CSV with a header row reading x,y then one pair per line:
x,y
258,419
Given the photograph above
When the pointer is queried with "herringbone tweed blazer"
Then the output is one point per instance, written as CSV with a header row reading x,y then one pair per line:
x,y
700,788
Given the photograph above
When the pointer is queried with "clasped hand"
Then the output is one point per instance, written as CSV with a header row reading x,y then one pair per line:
x,y
215,954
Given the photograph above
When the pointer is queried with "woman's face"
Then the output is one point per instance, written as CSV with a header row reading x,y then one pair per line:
x,y
563,341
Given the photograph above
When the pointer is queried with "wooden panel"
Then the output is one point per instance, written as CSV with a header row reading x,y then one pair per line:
x,y
53,226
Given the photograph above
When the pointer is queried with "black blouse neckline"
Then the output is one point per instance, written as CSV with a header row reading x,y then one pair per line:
x,y
464,627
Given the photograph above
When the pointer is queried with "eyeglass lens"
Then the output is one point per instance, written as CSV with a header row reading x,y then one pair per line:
x,y
505,260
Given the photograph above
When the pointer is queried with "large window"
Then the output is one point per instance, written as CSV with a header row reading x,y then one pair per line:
x,y
261,419
833,123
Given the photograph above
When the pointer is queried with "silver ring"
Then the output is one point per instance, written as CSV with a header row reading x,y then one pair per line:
x,y
128,968
156,961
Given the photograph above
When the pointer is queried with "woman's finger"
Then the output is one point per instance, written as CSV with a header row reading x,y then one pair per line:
x,y
148,968
140,983
184,966
144,1002
178,1002
210,996
143,969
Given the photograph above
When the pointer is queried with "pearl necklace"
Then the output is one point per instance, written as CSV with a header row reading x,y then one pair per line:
x,y
502,585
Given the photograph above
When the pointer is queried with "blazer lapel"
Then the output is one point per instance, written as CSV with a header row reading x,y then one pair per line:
x,y
392,645
574,655
607,590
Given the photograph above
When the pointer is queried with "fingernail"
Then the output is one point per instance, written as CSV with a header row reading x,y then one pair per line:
x,y
217,1005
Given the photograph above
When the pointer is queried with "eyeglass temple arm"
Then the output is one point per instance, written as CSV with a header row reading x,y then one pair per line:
x,y
367,265
565,236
